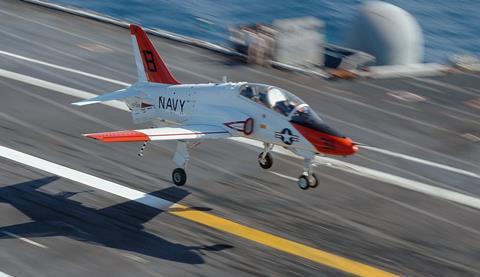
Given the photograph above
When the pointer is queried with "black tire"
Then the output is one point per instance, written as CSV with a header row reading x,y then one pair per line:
x,y
267,163
314,184
303,182
179,177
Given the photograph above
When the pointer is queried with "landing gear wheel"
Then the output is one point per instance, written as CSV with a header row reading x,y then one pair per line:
x,y
303,182
267,162
179,177
315,183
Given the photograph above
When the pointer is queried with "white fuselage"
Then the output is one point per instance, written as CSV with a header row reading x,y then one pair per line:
x,y
218,104
261,112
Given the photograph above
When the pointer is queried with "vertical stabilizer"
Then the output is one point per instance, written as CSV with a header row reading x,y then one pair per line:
x,y
150,66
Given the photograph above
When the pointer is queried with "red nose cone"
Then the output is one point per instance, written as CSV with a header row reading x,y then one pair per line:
x,y
354,149
328,143
334,145
346,146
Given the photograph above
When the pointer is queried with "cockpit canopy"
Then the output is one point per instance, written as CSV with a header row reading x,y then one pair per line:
x,y
287,104
272,97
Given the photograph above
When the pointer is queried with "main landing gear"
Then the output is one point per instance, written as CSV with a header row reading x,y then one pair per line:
x,y
179,176
265,159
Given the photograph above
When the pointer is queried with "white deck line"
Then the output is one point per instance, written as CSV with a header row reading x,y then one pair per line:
x,y
25,240
422,161
3,274
58,88
84,178
359,170
63,68
284,176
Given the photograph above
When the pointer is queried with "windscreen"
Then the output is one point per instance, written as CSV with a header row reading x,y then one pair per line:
x,y
287,104
306,117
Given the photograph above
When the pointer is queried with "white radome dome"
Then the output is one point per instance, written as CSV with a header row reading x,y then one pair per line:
x,y
387,32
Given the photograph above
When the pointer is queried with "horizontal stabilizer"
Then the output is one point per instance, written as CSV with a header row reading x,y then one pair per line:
x,y
186,132
116,95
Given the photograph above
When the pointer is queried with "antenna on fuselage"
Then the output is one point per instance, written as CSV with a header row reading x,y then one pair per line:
x,y
224,79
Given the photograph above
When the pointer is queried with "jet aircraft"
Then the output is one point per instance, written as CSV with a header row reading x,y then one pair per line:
x,y
191,113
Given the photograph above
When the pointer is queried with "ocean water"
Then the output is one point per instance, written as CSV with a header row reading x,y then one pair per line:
x,y
449,27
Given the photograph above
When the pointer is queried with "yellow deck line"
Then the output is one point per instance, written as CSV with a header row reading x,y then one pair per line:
x,y
276,242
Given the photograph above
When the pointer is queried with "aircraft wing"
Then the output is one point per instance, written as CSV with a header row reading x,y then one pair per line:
x,y
186,132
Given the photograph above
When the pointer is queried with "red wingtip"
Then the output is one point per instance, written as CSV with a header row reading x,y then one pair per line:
x,y
120,136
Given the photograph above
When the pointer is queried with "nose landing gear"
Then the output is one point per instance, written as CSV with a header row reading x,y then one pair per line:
x,y
265,159
308,179
305,182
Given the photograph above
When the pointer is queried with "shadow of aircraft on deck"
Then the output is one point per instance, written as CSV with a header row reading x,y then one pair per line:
x,y
119,226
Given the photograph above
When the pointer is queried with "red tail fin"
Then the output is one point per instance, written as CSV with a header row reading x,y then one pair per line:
x,y
155,69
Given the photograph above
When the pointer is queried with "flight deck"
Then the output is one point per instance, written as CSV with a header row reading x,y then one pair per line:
x,y
407,204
